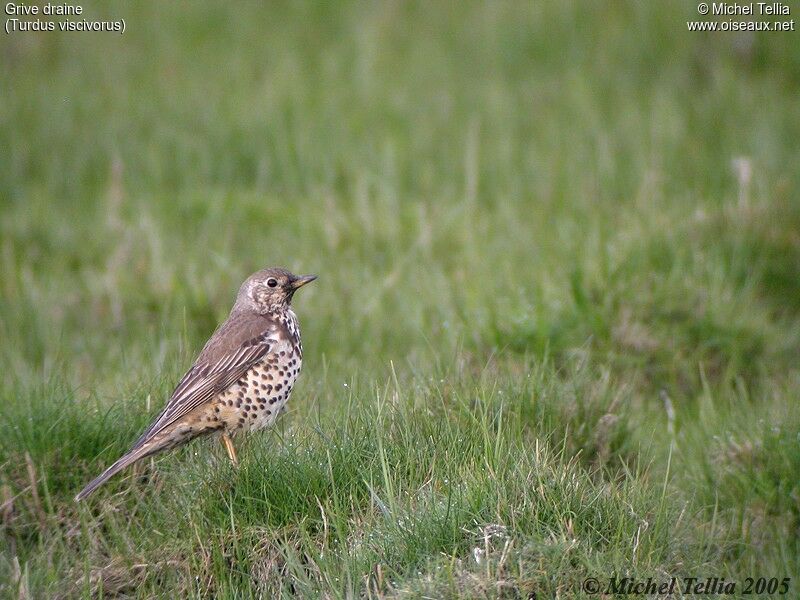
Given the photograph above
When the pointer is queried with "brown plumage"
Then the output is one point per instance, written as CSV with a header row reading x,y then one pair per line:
x,y
241,379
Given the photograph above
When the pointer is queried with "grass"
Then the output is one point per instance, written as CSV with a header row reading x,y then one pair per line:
x,y
556,331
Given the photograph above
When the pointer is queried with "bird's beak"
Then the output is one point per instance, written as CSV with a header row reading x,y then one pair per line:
x,y
299,282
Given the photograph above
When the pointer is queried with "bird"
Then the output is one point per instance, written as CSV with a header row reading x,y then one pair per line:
x,y
240,381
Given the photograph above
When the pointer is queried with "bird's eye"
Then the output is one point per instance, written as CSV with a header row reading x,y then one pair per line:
x,y
272,282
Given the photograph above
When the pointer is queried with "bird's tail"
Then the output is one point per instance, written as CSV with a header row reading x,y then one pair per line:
x,y
136,453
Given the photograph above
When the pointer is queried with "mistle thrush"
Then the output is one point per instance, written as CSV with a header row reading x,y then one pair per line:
x,y
240,381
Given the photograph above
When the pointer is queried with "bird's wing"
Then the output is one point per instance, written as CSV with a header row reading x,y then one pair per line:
x,y
219,365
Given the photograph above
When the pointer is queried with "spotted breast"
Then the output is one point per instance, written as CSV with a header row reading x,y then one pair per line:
x,y
257,397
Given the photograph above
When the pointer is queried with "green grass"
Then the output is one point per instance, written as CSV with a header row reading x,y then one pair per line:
x,y
556,332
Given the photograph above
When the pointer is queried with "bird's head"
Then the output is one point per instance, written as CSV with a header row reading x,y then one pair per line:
x,y
270,290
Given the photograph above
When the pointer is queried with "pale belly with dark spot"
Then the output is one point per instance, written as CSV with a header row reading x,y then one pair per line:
x,y
256,399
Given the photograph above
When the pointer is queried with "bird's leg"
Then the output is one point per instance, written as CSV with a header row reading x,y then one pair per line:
x,y
226,440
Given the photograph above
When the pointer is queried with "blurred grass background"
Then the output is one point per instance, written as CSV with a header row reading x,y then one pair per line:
x,y
556,331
